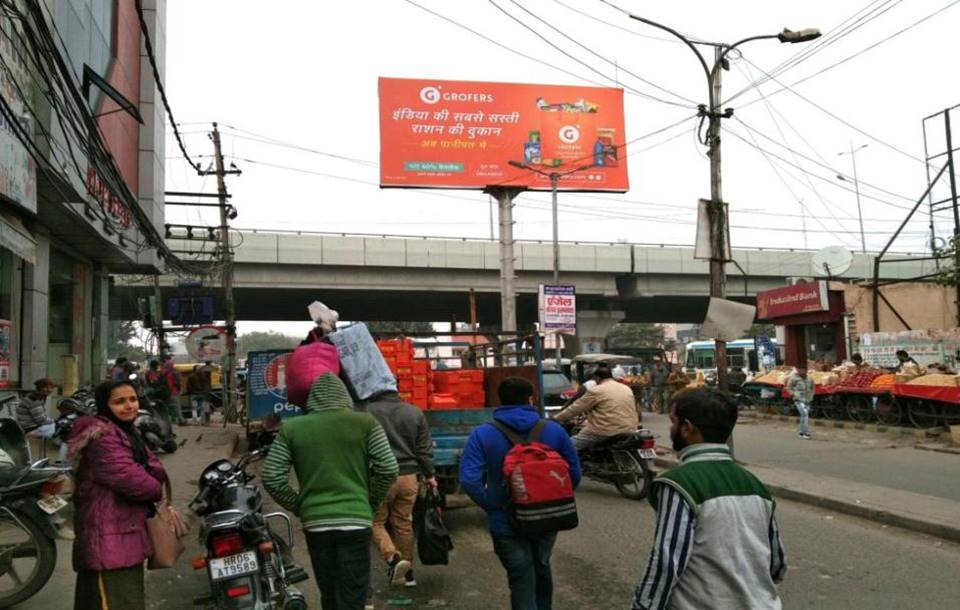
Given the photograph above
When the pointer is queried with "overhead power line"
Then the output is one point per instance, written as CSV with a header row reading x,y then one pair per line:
x,y
148,45
690,103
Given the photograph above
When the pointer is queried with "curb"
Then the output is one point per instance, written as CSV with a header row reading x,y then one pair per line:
x,y
850,425
931,528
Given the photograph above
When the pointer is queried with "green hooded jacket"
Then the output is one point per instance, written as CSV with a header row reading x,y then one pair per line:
x,y
341,457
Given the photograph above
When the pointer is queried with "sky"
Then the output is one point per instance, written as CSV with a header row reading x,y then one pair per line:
x,y
294,88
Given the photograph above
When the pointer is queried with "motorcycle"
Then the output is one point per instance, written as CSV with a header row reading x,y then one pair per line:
x,y
29,499
622,460
153,422
248,565
77,405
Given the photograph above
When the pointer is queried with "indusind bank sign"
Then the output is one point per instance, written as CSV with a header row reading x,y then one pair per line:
x,y
462,134
792,300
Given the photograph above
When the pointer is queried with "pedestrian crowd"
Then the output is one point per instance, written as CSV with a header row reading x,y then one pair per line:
x,y
361,467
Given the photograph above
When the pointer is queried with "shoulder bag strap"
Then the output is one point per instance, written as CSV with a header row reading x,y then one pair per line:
x,y
534,436
509,432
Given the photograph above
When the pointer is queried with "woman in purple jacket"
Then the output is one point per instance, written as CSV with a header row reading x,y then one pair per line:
x,y
118,482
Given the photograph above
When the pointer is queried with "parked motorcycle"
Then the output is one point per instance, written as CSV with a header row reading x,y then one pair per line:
x,y
29,498
622,460
77,405
249,565
153,422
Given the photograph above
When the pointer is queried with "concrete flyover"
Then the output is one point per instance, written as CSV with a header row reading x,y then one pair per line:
x,y
383,277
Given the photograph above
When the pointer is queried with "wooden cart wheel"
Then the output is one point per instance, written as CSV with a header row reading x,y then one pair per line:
x,y
924,413
860,409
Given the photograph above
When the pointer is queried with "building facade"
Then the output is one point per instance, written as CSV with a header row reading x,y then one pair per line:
x,y
81,178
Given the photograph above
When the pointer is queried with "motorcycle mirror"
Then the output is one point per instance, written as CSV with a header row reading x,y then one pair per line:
x,y
132,376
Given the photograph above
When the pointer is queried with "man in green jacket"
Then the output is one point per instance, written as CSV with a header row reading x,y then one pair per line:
x,y
344,469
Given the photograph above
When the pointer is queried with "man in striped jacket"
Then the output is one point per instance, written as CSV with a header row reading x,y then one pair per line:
x,y
717,542
345,468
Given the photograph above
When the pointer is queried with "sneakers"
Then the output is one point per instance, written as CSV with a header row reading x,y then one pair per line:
x,y
409,580
397,570
805,437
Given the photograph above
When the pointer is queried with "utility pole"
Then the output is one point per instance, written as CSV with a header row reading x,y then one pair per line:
x,y
226,261
158,323
717,213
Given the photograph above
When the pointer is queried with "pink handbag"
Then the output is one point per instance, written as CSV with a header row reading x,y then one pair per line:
x,y
306,364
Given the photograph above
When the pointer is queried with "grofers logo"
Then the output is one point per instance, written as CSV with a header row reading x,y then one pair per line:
x,y
569,134
430,95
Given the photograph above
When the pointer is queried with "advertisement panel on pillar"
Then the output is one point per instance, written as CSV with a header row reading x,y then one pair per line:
x,y
558,309
459,134
267,384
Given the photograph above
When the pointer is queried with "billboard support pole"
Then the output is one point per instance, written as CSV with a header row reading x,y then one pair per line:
x,y
508,296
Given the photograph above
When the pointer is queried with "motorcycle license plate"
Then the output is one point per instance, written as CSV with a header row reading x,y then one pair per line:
x,y
233,565
51,504
648,454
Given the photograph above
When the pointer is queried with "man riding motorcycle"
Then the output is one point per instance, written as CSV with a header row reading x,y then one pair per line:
x,y
610,411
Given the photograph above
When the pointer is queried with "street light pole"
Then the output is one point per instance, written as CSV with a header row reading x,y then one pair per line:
x,y
856,188
554,177
716,211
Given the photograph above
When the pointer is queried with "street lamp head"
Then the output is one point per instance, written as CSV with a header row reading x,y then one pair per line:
x,y
799,36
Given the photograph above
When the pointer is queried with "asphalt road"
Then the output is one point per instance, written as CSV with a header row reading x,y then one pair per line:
x,y
867,457
835,561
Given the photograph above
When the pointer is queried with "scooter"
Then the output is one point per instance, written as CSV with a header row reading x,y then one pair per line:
x,y
248,565
623,460
29,499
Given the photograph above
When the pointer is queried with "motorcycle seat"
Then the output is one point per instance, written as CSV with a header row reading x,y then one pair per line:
x,y
11,476
631,439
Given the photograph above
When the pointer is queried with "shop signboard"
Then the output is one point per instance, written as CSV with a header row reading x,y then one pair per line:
x,y
267,384
558,308
460,134
208,343
6,347
924,346
18,170
792,300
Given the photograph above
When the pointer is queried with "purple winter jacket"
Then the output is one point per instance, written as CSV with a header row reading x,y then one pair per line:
x,y
113,496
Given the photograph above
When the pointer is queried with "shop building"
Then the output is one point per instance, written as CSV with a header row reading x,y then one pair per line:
x,y
813,321
64,227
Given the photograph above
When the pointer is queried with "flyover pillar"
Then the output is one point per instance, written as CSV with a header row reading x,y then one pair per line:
x,y
593,326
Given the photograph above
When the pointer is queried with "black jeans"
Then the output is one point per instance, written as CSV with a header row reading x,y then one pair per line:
x,y
527,562
341,565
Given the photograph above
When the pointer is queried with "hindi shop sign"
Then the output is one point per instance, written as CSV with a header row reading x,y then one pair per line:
x,y
792,300
558,309
458,134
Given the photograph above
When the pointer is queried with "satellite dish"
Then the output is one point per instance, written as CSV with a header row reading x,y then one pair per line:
x,y
831,261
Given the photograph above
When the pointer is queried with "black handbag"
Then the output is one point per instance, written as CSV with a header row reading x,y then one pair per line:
x,y
433,538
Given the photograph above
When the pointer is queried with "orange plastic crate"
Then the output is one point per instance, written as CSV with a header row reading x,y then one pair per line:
x,y
406,396
421,367
443,401
471,376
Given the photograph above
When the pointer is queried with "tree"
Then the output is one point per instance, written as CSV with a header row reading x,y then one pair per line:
x,y
948,273
399,328
261,341
125,332
637,334
764,329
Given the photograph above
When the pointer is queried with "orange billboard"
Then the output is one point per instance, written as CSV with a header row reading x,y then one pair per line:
x,y
461,134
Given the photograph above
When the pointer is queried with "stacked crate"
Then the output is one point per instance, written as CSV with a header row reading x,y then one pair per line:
x,y
464,387
413,376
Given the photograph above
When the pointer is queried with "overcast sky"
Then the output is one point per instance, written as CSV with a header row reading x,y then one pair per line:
x,y
305,73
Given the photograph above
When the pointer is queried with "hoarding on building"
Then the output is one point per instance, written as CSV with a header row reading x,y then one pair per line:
x,y
924,346
267,384
558,308
792,300
460,134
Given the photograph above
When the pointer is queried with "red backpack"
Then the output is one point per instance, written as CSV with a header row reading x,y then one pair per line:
x,y
538,484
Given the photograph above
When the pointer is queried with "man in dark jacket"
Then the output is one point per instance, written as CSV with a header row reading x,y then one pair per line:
x,y
526,559
409,436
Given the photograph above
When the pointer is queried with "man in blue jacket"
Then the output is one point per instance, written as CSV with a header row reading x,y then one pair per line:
x,y
526,559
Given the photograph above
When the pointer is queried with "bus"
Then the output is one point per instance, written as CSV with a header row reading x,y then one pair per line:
x,y
741,354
